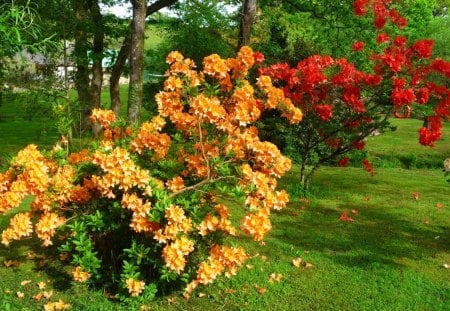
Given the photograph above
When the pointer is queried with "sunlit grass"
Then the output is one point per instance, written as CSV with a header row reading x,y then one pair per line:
x,y
389,258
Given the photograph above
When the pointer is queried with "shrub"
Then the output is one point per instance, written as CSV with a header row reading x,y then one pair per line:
x,y
141,210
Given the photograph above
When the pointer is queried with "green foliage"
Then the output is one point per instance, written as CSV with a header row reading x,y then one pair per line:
x,y
200,28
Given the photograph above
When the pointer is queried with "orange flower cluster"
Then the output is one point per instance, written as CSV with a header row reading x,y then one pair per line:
x,y
150,137
135,288
33,179
104,117
139,220
19,226
276,99
213,223
121,172
222,259
79,275
46,226
32,174
175,184
178,246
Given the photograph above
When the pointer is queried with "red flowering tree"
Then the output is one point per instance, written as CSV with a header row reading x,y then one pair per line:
x,y
343,105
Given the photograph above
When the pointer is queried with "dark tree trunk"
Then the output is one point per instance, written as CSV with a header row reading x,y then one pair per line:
x,y
136,61
81,59
116,73
123,55
249,8
97,53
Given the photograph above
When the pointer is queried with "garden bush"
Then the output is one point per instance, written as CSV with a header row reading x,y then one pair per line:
x,y
140,210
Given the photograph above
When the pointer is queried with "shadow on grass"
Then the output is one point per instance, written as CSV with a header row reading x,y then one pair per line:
x,y
375,237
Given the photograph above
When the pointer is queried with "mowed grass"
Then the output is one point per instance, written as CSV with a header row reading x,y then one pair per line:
x,y
391,257
400,148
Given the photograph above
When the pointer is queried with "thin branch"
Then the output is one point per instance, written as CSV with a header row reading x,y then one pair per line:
x,y
200,184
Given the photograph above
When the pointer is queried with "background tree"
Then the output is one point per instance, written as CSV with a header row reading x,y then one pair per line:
x,y
123,54
19,30
249,9
136,60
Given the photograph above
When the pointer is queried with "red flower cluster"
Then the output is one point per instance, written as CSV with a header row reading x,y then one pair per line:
x,y
325,112
368,167
423,48
358,46
344,162
382,12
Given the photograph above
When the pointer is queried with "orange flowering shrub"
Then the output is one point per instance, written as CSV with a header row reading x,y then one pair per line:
x,y
148,208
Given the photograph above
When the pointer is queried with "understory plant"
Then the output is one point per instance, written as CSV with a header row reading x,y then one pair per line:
x,y
142,210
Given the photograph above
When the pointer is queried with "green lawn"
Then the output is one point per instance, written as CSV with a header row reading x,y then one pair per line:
x,y
390,258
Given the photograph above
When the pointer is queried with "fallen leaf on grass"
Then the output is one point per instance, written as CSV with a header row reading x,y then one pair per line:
x,y
446,266
171,300
38,296
201,295
275,277
11,263
20,295
41,285
30,255
426,222
366,198
305,200
297,262
260,290
415,195
57,305
264,258
230,291
25,282
48,294
344,217
355,212
249,267
439,205
308,265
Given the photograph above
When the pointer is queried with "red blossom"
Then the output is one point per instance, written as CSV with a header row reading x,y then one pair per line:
x,y
372,79
402,97
368,167
423,95
383,38
360,7
442,66
343,162
380,22
259,57
423,48
359,145
428,135
325,112
358,46
400,40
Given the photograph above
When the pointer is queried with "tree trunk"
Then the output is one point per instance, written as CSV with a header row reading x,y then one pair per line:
x,y
136,61
81,59
123,55
97,54
116,73
249,8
